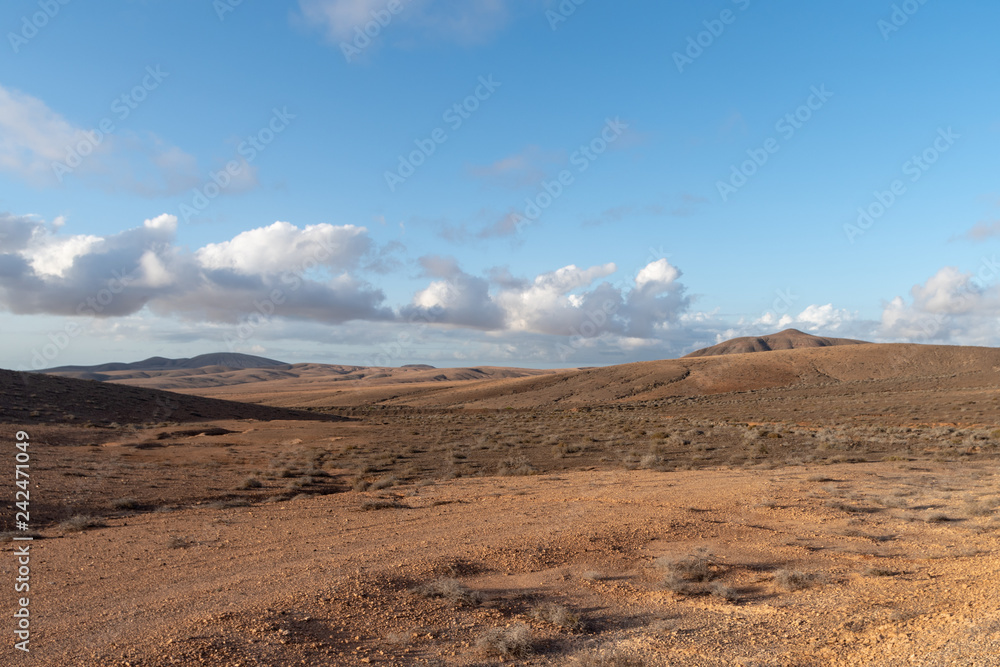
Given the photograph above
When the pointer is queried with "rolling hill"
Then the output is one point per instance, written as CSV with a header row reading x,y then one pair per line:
x,y
28,398
789,339
228,360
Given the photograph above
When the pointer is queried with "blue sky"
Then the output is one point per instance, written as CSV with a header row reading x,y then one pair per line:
x,y
708,162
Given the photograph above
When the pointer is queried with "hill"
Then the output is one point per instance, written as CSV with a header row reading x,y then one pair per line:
x,y
29,398
899,382
218,359
789,339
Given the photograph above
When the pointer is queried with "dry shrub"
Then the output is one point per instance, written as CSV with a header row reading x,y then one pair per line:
x,y
795,580
451,590
512,642
558,615
515,466
80,523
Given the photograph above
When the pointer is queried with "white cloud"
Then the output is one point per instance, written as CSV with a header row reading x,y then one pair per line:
x,y
463,21
299,281
822,318
44,271
32,136
568,302
283,247
951,307
35,140
657,274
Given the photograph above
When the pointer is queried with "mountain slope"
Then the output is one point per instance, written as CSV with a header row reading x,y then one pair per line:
x,y
218,359
789,339
27,398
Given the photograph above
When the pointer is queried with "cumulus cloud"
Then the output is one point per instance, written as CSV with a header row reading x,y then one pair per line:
x,y
280,269
952,306
283,246
573,302
453,298
302,280
43,148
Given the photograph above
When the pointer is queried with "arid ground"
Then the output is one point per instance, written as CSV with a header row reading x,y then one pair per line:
x,y
826,506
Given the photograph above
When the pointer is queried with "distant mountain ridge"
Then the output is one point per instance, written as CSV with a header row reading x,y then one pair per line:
x,y
224,359
789,339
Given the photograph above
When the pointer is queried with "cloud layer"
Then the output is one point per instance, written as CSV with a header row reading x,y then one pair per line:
x,y
309,283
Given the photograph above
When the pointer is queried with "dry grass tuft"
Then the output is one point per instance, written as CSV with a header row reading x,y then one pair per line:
x,y
451,590
512,642
80,523
558,615
795,580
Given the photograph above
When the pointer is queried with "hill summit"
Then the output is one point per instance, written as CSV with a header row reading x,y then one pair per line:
x,y
789,339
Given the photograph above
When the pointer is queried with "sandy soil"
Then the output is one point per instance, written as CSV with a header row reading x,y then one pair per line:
x,y
320,581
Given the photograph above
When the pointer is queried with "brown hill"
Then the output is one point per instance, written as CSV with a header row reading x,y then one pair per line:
x,y
932,382
230,360
789,339
28,398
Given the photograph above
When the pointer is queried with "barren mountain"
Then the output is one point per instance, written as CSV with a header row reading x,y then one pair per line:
x,y
902,381
215,360
789,339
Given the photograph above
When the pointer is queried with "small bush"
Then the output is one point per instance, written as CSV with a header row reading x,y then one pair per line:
x,y
720,590
650,461
980,507
688,575
608,657
558,615
515,466
80,523
126,504
795,580
384,482
250,483
451,590
512,642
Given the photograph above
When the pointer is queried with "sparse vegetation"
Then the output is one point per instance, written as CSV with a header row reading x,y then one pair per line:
x,y
451,590
126,504
512,642
558,615
515,466
79,523
688,575
609,657
795,580
250,483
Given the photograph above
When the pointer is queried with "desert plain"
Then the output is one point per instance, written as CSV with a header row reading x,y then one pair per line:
x,y
794,502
